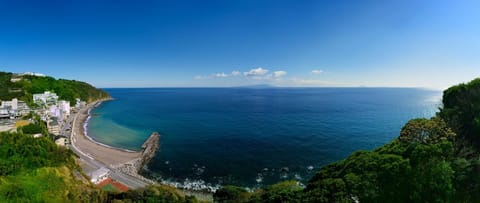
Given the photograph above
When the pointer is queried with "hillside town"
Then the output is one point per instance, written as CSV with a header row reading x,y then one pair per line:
x,y
54,112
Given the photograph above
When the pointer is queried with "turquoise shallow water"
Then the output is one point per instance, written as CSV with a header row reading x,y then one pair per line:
x,y
253,137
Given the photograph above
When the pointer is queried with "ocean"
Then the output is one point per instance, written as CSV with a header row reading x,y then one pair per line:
x,y
254,137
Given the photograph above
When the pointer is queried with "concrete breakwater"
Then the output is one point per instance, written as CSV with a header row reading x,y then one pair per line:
x,y
150,147
149,150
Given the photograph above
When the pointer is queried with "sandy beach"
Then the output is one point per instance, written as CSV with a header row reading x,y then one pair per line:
x,y
107,155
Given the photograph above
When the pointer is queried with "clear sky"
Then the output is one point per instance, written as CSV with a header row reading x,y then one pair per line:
x,y
402,43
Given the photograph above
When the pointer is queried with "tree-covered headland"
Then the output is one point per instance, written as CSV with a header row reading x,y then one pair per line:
x,y
27,85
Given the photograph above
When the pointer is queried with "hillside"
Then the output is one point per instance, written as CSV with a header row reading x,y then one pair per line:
x,y
24,86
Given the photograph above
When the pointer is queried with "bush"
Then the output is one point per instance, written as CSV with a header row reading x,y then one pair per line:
x,y
231,194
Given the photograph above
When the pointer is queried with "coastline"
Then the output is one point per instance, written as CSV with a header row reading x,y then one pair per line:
x,y
85,130
123,161
108,155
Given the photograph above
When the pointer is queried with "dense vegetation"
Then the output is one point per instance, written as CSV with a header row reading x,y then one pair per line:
x,y
35,169
66,89
155,193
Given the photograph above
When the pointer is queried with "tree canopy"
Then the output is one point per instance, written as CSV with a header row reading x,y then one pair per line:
x,y
67,90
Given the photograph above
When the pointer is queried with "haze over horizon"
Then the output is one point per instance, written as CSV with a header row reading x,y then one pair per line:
x,y
432,44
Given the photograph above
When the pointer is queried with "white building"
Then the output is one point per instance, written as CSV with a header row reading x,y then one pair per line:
x,y
64,106
12,104
77,104
23,108
33,74
99,175
54,111
46,97
15,79
4,113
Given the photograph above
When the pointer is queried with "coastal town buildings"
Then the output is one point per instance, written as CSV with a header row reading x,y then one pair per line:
x,y
52,111
4,113
13,109
64,107
13,104
45,98
53,126
80,104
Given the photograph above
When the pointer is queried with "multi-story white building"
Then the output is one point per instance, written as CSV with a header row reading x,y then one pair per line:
x,y
23,108
54,111
13,104
64,106
46,97
4,113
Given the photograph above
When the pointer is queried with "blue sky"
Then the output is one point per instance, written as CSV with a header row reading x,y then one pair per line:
x,y
430,43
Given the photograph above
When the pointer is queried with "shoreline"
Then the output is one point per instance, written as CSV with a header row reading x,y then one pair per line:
x,y
84,115
108,155
85,130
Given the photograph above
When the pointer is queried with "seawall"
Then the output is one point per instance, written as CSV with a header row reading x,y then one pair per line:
x,y
149,150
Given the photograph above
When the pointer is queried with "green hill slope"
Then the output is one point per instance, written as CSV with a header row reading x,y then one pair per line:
x,y
28,85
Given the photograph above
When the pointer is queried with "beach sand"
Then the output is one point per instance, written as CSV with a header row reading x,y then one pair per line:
x,y
104,154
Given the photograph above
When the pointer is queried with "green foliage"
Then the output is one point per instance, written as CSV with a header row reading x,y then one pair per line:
x,y
66,89
418,163
48,184
231,194
7,87
31,129
20,152
426,131
287,191
461,110
154,193
36,170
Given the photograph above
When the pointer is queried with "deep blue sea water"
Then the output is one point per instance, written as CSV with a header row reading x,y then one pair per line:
x,y
253,137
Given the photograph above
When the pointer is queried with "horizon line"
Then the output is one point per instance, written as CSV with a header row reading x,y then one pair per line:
x,y
268,87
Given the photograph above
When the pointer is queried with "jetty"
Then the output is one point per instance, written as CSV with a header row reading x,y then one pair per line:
x,y
122,165
149,150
